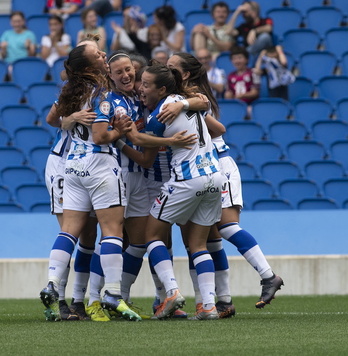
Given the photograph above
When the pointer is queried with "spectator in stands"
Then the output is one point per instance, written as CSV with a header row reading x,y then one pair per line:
x,y
19,42
103,7
89,19
272,62
173,31
255,31
243,83
213,37
160,54
57,43
216,76
63,8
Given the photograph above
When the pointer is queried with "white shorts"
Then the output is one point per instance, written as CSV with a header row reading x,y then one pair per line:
x,y
153,189
93,182
197,200
136,193
232,185
54,178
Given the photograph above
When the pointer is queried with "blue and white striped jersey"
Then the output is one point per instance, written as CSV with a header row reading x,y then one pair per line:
x,y
186,164
131,107
81,135
61,144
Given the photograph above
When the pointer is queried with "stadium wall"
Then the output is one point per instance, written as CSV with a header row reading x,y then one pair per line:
x,y
308,249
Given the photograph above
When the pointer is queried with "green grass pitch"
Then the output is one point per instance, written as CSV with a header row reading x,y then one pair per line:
x,y
290,325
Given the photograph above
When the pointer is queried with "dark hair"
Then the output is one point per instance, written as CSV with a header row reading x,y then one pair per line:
x,y
168,77
19,13
220,4
84,14
117,55
198,77
60,20
168,15
137,57
84,83
239,50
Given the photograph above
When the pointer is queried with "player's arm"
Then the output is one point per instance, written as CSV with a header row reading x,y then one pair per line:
x,y
144,159
85,117
53,118
216,128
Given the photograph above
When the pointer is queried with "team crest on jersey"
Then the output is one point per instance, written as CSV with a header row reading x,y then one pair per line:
x,y
104,107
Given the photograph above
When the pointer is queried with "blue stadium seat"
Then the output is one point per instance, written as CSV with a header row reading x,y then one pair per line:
x,y
316,64
284,132
5,195
3,69
223,61
277,171
10,94
114,16
11,208
39,136
29,8
247,170
5,138
192,18
333,88
232,110
10,156
149,6
291,61
14,176
323,18
40,208
321,171
5,23
29,194
27,71
317,203
56,70
240,133
43,122
302,152
344,64
234,152
267,110
39,24
302,87
72,26
38,158
256,189
342,109
334,40
339,152
342,5
261,152
310,110
40,95
272,204
305,5
183,7
284,19
334,188
24,114
298,41
295,190
329,131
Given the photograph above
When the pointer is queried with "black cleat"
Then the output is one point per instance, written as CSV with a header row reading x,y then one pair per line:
x,y
225,309
78,308
269,289
65,312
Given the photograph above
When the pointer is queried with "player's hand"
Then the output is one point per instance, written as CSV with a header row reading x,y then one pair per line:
x,y
123,124
170,112
185,141
85,117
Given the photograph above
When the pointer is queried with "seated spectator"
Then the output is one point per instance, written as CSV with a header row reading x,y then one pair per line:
x,y
19,42
213,37
160,54
89,19
103,7
216,76
242,84
63,8
272,62
255,31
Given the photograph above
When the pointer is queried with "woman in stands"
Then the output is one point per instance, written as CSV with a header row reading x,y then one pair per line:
x,y
232,201
92,178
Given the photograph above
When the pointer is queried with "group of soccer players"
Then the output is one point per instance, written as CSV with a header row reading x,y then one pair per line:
x,y
171,166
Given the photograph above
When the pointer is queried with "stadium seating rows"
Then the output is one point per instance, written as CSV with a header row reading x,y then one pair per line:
x,y
291,155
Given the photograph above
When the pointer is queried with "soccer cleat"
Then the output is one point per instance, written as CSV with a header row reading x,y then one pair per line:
x,y
205,314
79,309
138,310
225,309
180,314
170,304
96,312
115,303
269,289
49,297
65,312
